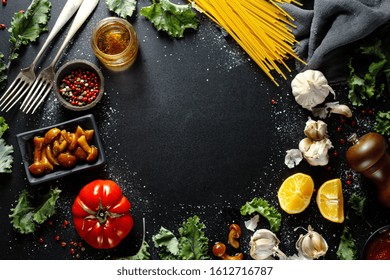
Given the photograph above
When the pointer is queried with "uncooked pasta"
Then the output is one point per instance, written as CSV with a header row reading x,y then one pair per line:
x,y
261,27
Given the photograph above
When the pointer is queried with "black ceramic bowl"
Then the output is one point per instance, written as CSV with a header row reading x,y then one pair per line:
x,y
65,70
379,238
26,146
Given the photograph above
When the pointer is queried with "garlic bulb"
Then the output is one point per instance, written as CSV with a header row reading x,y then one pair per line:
x,y
311,245
310,88
316,130
264,244
315,152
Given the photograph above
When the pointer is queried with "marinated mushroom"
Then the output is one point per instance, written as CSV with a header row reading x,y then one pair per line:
x,y
78,133
51,135
59,146
80,154
50,155
92,151
37,167
62,148
89,134
48,166
234,234
219,250
67,160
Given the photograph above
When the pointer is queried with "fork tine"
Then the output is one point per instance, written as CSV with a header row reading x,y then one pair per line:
x,y
11,88
16,93
32,93
41,99
10,91
38,96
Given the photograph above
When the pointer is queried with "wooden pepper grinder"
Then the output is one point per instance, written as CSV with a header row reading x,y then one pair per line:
x,y
368,156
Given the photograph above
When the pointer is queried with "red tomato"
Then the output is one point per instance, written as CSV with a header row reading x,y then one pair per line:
x,y
101,214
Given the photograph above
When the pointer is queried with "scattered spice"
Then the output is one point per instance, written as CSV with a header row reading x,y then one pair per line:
x,y
4,2
65,224
80,87
2,26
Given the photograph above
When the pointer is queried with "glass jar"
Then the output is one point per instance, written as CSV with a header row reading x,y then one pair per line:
x,y
115,43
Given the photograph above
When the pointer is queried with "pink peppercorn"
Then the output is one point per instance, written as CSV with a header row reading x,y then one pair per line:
x,y
80,87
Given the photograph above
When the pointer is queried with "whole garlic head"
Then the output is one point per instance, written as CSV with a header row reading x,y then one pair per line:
x,y
310,88
315,152
316,130
264,244
311,245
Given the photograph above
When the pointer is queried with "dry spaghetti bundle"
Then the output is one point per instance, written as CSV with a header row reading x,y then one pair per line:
x,y
261,27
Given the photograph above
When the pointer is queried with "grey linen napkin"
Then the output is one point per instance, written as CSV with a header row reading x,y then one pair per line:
x,y
327,28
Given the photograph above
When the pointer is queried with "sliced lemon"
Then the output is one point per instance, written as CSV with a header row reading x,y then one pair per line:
x,y
330,200
295,193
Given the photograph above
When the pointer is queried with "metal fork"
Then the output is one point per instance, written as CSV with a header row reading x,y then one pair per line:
x,y
26,76
43,84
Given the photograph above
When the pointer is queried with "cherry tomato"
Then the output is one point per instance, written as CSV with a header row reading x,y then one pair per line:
x,y
101,214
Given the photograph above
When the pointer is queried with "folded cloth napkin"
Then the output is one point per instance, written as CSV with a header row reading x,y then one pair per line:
x,y
327,28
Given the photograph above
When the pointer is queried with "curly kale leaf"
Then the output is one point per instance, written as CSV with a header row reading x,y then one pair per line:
x,y
383,123
47,208
369,85
171,18
3,73
142,254
3,126
6,158
28,214
21,215
27,26
123,8
191,245
261,206
347,249
168,244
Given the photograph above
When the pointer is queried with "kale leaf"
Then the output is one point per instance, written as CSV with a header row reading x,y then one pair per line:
x,y
171,18
27,26
261,206
26,216
3,73
123,8
191,245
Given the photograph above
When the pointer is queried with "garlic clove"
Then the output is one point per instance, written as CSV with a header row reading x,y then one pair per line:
x,y
316,130
264,244
252,223
342,110
315,152
311,245
293,158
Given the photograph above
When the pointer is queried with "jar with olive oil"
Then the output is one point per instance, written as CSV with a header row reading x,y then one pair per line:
x,y
115,43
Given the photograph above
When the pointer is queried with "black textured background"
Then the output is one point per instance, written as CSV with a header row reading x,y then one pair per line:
x,y
189,130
